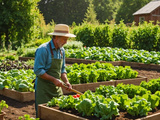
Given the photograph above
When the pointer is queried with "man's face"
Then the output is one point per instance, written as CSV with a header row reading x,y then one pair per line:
x,y
61,41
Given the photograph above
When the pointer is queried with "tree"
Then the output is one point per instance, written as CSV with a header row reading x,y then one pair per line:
x,y
127,9
17,21
63,11
106,9
90,16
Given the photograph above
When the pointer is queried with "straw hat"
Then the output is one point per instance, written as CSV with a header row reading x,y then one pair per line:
x,y
62,30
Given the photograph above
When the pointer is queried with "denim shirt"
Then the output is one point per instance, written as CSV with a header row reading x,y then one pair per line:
x,y
43,59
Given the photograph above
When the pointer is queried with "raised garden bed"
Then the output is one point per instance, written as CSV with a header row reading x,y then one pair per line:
x,y
48,113
19,96
115,63
29,96
92,86
135,81
88,86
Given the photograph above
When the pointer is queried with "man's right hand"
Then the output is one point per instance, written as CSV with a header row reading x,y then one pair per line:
x,y
58,83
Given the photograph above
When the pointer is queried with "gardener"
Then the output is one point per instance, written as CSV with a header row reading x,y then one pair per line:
x,y
49,66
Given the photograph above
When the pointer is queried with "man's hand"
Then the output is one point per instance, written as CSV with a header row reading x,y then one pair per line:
x,y
68,85
58,83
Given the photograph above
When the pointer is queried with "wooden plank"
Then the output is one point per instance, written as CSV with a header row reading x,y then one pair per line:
x,y
88,86
19,96
25,58
93,86
141,65
48,113
115,63
155,116
135,81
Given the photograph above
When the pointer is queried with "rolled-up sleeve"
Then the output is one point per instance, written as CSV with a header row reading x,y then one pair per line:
x,y
40,60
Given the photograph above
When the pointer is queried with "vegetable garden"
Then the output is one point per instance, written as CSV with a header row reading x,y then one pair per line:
x,y
113,87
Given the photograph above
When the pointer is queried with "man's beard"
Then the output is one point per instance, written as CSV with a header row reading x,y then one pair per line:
x,y
60,45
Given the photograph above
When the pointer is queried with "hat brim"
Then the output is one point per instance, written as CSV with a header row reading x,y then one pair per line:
x,y
62,34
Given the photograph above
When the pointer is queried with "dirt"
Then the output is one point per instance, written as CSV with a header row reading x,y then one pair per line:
x,y
17,109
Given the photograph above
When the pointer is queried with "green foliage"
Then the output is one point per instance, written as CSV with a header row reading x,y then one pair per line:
x,y
153,85
119,36
114,54
73,45
93,35
132,90
18,23
20,80
144,37
85,107
102,36
85,34
2,105
90,15
139,107
27,117
97,72
107,101
10,57
106,111
122,100
127,8
106,9
74,10
29,52
107,91
153,99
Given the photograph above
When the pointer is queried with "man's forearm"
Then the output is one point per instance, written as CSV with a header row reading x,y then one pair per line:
x,y
45,76
64,77
57,82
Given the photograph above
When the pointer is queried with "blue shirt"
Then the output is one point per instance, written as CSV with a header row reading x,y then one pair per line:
x,y
43,58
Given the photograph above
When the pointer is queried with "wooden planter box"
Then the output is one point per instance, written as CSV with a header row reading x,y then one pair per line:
x,y
19,96
48,113
2,114
135,81
140,65
25,58
75,60
88,86
93,86
115,63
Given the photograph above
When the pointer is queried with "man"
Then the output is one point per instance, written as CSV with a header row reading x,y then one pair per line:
x,y
49,66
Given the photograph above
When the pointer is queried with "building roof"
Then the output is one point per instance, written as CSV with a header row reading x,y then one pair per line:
x,y
148,8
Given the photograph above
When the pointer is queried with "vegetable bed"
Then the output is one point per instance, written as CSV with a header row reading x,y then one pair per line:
x,y
92,86
137,65
125,102
17,84
47,113
19,96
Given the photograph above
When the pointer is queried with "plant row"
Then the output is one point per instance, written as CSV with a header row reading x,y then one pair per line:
x,y
97,72
109,54
108,101
146,36
19,80
6,65
114,54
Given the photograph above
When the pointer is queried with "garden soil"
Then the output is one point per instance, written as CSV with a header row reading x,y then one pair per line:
x,y
17,109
